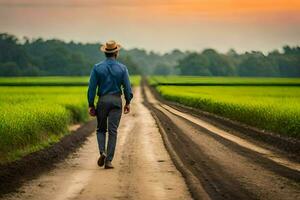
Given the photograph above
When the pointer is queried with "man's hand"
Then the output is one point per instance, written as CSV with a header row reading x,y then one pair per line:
x,y
127,109
92,111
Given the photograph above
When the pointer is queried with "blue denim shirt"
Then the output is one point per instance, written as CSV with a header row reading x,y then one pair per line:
x,y
109,75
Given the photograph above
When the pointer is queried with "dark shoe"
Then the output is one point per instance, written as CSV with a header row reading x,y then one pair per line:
x,y
101,160
108,165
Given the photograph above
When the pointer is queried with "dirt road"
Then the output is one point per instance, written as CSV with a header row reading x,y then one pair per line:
x,y
143,168
225,165
215,163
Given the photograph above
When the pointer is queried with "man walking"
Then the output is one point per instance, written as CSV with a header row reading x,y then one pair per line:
x,y
108,75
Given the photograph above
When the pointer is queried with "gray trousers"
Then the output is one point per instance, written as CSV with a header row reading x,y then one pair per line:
x,y
109,111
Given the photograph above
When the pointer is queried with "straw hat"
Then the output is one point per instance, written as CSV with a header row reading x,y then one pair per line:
x,y
110,47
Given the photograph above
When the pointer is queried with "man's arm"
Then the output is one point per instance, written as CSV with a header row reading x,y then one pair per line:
x,y
127,91
92,91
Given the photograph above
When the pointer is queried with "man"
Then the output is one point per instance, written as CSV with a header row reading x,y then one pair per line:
x,y
108,75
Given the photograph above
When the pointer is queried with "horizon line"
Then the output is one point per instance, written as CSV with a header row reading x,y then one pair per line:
x,y
31,39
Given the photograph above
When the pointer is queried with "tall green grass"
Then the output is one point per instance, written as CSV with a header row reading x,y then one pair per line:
x,y
34,117
273,108
54,81
205,80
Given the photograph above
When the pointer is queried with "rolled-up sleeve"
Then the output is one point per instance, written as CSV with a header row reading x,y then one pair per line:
x,y
127,87
92,88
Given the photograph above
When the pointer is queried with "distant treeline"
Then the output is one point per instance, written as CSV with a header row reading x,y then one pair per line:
x,y
255,63
39,57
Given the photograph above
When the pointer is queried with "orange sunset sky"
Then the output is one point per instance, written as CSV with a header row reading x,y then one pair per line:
x,y
159,25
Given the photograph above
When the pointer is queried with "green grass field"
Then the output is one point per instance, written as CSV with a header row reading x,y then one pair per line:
x,y
33,117
198,80
272,108
53,81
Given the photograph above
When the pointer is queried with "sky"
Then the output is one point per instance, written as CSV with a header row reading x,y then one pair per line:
x,y
159,25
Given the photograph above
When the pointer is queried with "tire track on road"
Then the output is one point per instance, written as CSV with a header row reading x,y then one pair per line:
x,y
228,168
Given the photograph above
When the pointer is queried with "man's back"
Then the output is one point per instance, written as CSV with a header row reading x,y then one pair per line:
x,y
109,75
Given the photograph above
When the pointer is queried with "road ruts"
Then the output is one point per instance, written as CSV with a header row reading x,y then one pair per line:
x,y
226,166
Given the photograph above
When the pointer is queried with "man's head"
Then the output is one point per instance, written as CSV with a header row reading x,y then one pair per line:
x,y
111,49
111,55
